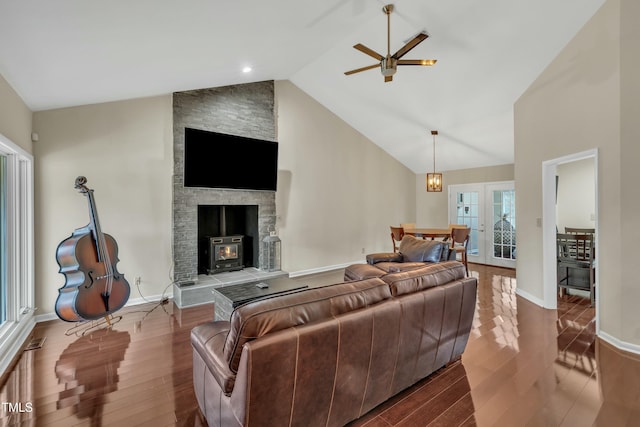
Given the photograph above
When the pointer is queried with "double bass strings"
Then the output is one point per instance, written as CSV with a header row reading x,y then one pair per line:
x,y
103,253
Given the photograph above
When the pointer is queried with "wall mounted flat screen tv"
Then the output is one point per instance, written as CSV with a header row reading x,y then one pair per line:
x,y
218,160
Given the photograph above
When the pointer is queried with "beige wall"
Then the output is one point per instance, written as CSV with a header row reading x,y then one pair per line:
x,y
432,208
337,191
576,202
579,104
336,188
15,117
125,149
629,294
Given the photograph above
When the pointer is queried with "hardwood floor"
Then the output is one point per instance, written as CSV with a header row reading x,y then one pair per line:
x,y
523,366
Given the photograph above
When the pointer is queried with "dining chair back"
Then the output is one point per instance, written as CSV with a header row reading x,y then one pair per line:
x,y
460,243
451,227
397,233
573,230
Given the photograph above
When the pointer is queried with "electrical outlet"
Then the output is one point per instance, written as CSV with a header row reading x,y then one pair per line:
x,y
362,250
138,280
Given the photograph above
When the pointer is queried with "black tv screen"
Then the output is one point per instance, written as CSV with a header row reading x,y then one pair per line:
x,y
218,160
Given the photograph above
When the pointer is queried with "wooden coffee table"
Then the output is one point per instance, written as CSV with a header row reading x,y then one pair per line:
x,y
227,298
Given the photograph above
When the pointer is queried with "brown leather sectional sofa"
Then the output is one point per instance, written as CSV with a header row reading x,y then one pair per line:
x,y
412,253
326,356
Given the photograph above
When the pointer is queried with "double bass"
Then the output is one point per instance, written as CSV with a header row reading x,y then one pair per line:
x,y
93,286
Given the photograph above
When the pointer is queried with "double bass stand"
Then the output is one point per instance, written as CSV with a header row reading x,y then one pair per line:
x,y
82,327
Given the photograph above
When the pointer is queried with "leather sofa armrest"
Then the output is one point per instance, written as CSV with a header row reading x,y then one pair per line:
x,y
208,341
384,257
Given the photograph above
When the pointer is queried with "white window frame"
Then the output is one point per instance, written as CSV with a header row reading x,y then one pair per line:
x,y
20,282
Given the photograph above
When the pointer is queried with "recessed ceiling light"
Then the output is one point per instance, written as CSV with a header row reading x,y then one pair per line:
x,y
246,70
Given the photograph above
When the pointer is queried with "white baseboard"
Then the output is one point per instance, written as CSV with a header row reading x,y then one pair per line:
x,y
153,298
526,295
45,317
322,269
622,345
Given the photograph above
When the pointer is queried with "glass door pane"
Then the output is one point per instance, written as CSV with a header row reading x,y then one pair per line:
x,y
504,224
467,211
500,208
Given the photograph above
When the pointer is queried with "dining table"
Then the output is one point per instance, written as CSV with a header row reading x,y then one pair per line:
x,y
426,233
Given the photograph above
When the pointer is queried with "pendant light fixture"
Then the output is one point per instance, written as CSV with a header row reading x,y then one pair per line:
x,y
434,180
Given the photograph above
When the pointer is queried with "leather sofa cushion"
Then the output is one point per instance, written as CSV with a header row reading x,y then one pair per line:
x,y
395,267
259,318
361,272
419,250
432,275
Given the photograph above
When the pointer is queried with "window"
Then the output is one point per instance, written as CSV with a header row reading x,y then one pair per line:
x,y
16,249
3,238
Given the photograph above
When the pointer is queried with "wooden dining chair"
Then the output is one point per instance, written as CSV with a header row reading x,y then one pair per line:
x,y
572,230
460,243
576,252
397,233
451,227
589,231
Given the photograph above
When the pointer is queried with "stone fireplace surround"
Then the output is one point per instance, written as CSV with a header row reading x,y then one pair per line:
x,y
245,110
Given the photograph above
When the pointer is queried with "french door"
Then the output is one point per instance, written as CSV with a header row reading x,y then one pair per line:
x,y
489,209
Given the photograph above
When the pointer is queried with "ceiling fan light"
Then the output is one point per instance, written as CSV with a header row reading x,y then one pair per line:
x,y
388,66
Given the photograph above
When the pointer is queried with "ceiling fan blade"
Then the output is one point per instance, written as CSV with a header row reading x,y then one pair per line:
x,y
388,78
357,70
410,45
362,48
425,62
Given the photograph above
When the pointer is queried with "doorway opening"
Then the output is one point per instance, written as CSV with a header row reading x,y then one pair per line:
x,y
551,218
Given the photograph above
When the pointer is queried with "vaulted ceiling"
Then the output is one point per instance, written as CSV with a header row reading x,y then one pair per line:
x,y
74,52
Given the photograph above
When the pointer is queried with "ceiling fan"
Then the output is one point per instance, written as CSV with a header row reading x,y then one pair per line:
x,y
388,64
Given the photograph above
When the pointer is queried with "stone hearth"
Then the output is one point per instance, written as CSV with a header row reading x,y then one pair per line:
x,y
199,292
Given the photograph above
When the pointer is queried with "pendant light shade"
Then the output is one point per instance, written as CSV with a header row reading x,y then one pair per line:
x,y
434,180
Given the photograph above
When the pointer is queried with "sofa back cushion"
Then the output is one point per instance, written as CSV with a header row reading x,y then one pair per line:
x,y
429,276
419,250
259,318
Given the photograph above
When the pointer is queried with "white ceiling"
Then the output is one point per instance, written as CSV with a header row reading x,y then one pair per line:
x,y
72,52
